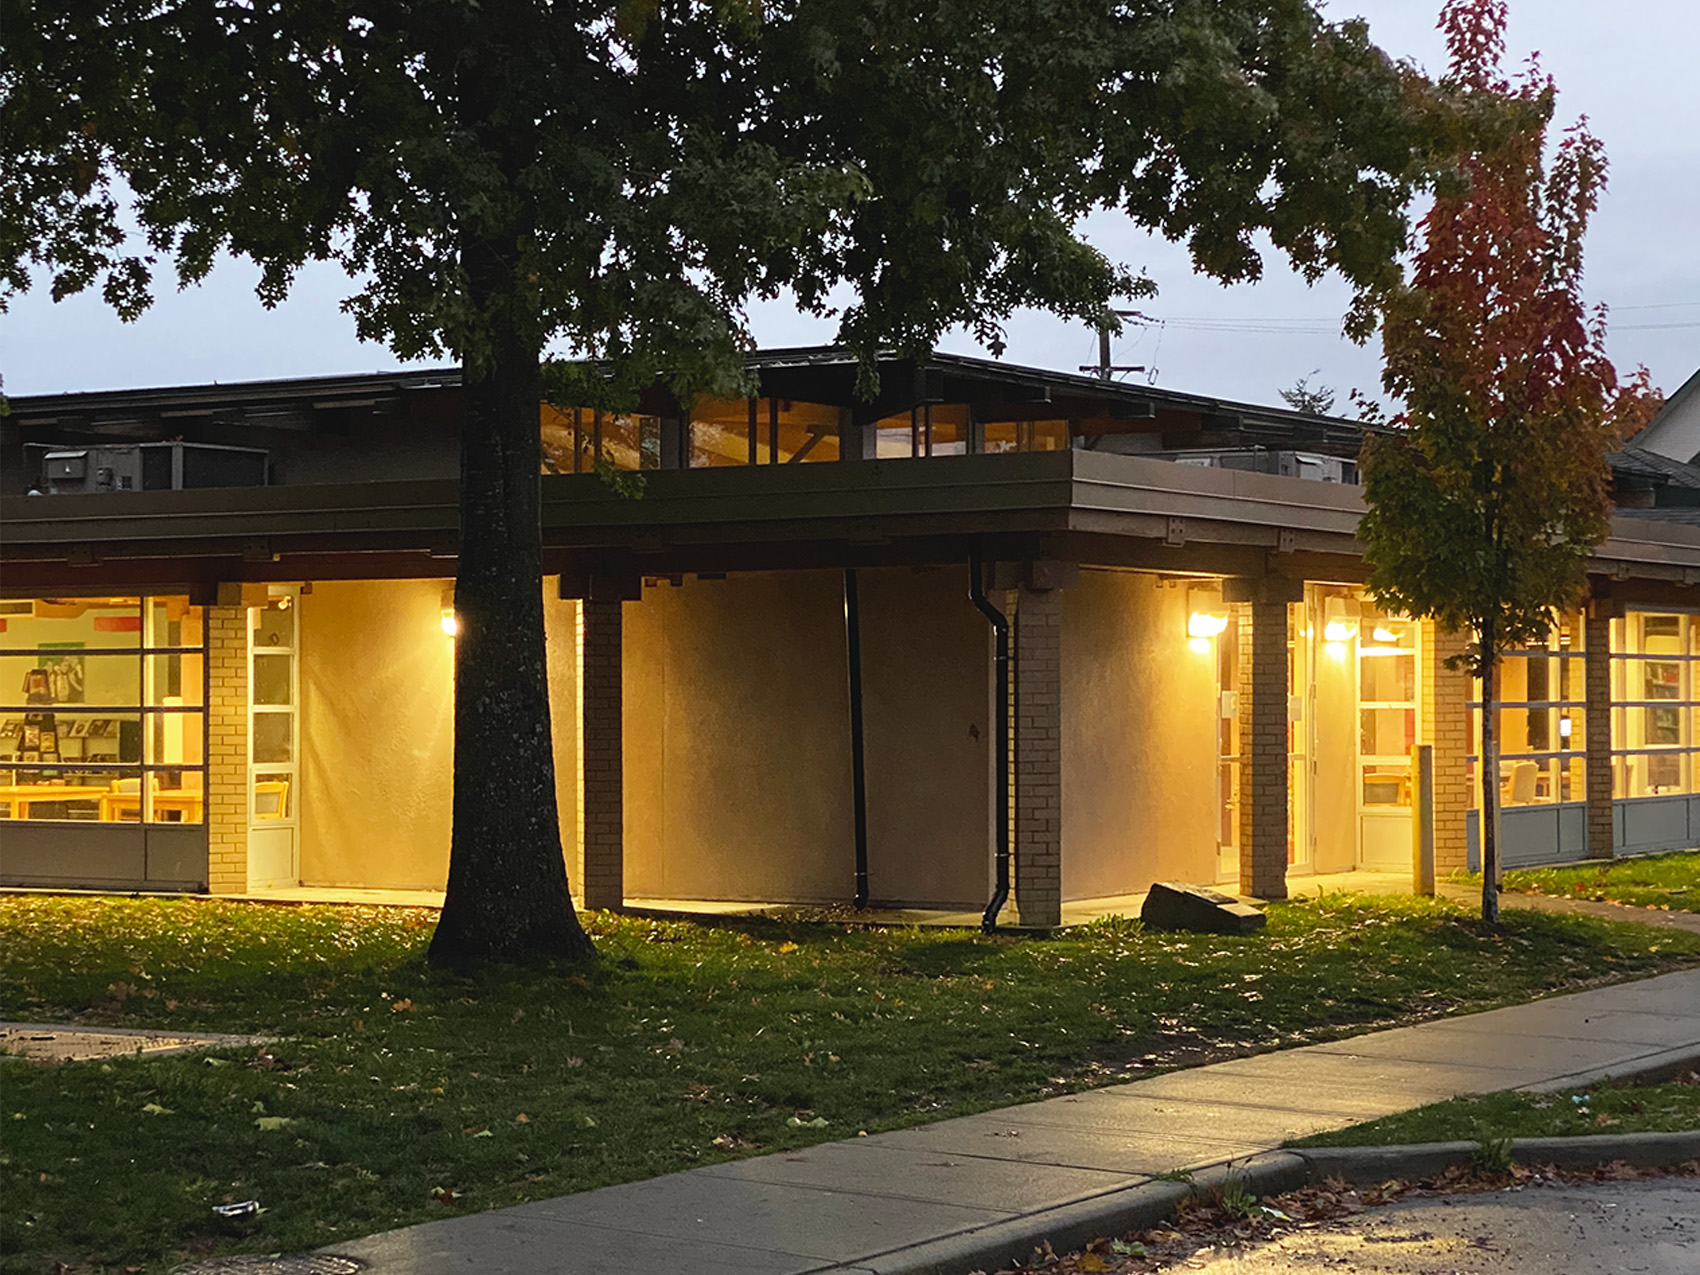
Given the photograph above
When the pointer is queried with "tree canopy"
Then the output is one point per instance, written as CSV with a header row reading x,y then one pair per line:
x,y
1493,490
617,180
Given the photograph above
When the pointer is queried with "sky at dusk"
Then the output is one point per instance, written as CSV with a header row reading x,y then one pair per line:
x,y
1628,66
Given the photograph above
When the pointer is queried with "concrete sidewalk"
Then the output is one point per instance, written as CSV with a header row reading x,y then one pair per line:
x,y
936,1197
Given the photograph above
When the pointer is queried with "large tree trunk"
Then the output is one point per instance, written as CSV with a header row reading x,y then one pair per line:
x,y
507,894
1490,788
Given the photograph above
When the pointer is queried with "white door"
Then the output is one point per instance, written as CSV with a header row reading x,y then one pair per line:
x,y
1387,728
274,740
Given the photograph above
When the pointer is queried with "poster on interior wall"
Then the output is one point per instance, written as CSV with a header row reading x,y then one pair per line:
x,y
65,673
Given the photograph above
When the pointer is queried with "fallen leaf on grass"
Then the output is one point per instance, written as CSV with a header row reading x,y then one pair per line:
x,y
819,1122
446,1194
522,1118
787,947
401,1006
268,1124
154,1109
1090,1262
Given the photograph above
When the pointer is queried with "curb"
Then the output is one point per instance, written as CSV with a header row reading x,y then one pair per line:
x,y
1004,1244
1073,1225
1425,1160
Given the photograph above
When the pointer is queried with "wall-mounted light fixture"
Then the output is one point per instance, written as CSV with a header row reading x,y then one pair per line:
x,y
1205,619
1384,634
451,623
1339,624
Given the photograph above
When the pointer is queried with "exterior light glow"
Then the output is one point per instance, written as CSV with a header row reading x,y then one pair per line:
x,y
1206,624
1336,650
1564,727
451,625
1337,631
1200,645
1384,634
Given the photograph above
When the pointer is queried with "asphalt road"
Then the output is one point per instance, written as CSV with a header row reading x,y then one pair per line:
x,y
1646,1228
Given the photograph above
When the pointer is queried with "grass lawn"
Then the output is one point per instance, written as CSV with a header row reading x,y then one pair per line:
x,y
1601,1109
396,1093
1669,881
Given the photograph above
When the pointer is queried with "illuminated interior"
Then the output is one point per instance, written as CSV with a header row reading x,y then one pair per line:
x,y
102,711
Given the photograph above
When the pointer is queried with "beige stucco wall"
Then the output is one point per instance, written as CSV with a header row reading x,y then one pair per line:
x,y
1139,739
737,756
560,632
926,691
1336,806
377,731
377,734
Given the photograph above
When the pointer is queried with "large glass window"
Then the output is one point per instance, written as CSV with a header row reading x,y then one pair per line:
x,y
932,429
1025,436
762,431
1654,702
576,439
1540,720
102,709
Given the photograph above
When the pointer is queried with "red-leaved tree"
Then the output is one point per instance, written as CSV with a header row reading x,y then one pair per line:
x,y
1486,502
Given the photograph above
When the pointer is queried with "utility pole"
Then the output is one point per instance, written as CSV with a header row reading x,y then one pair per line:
x,y
1104,370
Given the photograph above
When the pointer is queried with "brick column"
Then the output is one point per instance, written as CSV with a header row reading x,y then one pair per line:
x,y
1263,750
1038,757
1444,722
1596,732
227,749
601,803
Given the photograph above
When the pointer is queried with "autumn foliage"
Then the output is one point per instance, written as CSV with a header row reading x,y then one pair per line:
x,y
1492,491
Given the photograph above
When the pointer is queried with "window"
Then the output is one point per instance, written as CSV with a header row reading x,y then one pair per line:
x,y
1540,720
575,439
1025,436
102,709
1654,704
1387,701
933,429
761,431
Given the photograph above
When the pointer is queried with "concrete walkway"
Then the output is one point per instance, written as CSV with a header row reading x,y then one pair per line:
x,y
942,1197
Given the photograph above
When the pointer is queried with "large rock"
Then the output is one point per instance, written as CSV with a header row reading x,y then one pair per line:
x,y
1173,906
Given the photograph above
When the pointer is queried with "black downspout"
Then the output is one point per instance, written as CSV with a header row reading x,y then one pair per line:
x,y
858,768
1000,659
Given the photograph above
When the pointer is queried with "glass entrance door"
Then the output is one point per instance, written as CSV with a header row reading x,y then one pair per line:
x,y
1227,654
273,740
1301,751
1387,728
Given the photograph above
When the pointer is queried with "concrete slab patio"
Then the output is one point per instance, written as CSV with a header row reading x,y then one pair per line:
x,y
943,1197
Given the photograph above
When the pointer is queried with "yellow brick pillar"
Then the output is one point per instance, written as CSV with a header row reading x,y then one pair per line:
x,y
227,749
601,782
1264,792
1038,757
1445,723
1262,605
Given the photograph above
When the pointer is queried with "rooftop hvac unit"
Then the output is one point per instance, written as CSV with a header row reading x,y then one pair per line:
x,y
174,466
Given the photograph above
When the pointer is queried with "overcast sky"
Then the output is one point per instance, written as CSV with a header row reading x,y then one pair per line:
x,y
1628,65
